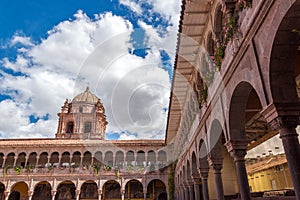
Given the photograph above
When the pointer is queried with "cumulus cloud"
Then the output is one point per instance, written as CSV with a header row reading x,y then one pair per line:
x,y
134,89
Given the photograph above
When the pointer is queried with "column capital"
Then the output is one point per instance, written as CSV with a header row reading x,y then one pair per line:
x,y
216,164
53,192
274,110
230,7
99,192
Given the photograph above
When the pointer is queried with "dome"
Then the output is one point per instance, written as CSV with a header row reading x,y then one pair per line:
x,y
86,96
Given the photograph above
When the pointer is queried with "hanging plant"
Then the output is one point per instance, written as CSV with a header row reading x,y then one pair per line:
x,y
96,168
17,170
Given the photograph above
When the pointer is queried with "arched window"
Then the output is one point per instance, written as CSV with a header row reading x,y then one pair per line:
x,y
87,127
70,127
80,109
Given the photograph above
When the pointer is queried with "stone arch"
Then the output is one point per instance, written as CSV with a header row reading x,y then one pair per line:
x,y
2,190
98,158
10,159
151,158
89,190
42,190
111,190
119,158
158,186
19,189
238,104
21,160
32,159
130,157
65,158
188,171
140,158
284,54
108,158
76,158
134,189
195,173
87,158
210,44
43,159
218,22
65,190
54,158
162,157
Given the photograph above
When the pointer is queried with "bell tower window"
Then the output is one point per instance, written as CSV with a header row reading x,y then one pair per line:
x,y
70,127
87,127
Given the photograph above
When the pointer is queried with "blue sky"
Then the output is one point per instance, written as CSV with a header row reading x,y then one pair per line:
x,y
50,50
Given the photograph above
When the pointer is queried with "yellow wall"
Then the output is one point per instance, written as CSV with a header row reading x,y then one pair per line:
x,y
262,180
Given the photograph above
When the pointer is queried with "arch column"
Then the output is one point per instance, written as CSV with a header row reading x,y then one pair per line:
x,y
81,160
99,194
238,150
196,187
204,176
15,160
6,193
122,194
217,166
186,192
77,193
4,161
190,188
53,193
37,160
145,193
30,193
26,160
284,117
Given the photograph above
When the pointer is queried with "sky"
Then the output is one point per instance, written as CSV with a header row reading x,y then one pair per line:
x,y
52,50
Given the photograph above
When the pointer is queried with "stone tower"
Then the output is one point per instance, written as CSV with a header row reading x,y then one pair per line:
x,y
83,117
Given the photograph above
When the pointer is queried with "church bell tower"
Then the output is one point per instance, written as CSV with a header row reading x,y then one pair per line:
x,y
82,118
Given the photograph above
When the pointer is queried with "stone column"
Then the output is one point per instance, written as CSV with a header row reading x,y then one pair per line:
x,y
81,160
99,194
92,161
4,161
186,192
30,193
217,167
289,137
145,194
15,160
59,160
122,194
77,194
53,193
6,195
196,188
190,188
238,150
37,161
26,160
204,177
181,192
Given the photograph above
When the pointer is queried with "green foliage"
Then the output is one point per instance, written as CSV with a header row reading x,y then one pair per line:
x,y
17,170
107,167
96,168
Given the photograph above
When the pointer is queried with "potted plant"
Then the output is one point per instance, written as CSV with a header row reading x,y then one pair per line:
x,y
96,168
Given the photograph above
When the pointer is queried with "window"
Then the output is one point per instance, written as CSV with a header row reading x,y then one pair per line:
x,y
87,127
70,127
80,109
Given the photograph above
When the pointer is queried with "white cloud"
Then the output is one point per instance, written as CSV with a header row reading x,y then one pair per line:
x,y
77,52
26,41
133,6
